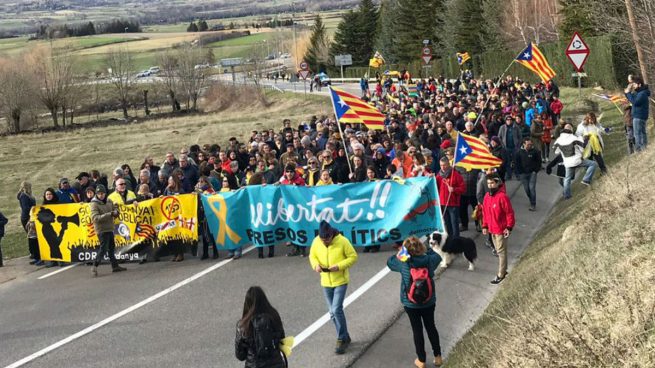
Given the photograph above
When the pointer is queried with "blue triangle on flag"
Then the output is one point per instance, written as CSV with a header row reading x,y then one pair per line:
x,y
462,149
340,106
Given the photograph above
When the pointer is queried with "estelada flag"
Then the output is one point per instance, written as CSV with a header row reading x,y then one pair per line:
x,y
533,59
473,153
377,60
463,57
350,109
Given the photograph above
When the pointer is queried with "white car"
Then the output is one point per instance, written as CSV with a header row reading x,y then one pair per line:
x,y
143,74
201,66
154,70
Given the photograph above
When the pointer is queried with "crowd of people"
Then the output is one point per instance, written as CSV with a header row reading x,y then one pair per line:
x,y
520,123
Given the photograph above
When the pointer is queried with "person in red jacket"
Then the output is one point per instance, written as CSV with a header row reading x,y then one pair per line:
x,y
451,186
498,220
556,108
291,177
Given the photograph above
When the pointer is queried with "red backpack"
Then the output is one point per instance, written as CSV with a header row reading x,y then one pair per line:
x,y
420,290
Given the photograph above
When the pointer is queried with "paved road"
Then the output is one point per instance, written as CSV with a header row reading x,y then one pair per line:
x,y
193,325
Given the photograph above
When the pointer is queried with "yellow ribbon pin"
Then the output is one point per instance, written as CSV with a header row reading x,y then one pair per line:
x,y
221,215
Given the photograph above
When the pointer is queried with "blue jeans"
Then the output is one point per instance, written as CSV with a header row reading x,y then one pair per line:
x,y
334,297
529,182
639,128
451,220
570,173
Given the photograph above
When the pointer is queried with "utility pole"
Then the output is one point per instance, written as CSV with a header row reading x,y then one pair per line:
x,y
293,23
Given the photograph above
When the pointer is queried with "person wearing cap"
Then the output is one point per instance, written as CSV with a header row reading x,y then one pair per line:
x,y
66,193
103,213
497,220
331,255
380,162
82,181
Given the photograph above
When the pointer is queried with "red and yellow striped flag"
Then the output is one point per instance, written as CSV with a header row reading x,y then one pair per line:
x,y
473,153
533,59
350,109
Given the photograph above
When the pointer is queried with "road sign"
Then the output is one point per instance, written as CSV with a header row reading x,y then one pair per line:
x,y
343,60
427,55
578,75
577,52
230,62
304,65
303,73
426,42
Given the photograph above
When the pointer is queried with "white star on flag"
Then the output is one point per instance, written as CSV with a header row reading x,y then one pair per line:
x,y
342,104
463,150
526,55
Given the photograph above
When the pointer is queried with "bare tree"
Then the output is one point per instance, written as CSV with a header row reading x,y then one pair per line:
x,y
122,74
531,20
16,93
191,73
53,71
167,61
636,38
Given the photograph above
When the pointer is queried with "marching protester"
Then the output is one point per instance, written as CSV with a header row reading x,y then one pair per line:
x,y
451,186
591,131
497,220
50,197
103,213
331,255
3,223
27,201
424,260
259,332
571,147
291,177
528,165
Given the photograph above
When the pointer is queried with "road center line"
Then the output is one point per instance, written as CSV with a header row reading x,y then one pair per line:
x,y
122,313
62,269
349,299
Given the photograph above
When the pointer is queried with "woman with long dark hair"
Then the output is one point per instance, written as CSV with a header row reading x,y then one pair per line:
x,y
259,332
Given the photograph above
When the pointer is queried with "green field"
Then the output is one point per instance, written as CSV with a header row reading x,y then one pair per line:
x,y
95,41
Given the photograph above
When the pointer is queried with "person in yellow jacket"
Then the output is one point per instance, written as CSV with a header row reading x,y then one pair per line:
x,y
122,195
331,255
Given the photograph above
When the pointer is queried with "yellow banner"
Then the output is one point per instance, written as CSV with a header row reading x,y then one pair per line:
x,y
66,233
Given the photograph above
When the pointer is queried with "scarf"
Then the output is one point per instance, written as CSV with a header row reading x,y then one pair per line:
x,y
445,174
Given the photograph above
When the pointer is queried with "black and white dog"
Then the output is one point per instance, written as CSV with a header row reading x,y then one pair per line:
x,y
448,248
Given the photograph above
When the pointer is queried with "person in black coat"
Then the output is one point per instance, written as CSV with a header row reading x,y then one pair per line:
x,y
528,164
3,222
259,322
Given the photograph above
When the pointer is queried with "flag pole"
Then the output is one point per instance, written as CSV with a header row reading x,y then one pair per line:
x,y
343,139
496,86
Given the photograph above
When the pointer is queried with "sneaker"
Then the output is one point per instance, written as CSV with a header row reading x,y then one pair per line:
x,y
488,244
532,208
341,346
39,263
419,364
497,280
438,361
33,261
494,252
586,183
118,269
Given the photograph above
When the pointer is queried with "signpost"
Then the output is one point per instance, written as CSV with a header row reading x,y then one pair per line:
x,y
304,73
343,60
578,52
426,55
232,62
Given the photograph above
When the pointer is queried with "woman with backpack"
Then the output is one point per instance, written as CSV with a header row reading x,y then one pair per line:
x,y
259,332
417,294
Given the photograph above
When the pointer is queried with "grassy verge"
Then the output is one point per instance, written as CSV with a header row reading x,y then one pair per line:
x,y
43,158
581,295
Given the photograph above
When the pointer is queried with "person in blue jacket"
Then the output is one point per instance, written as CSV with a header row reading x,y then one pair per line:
x,y
420,315
638,93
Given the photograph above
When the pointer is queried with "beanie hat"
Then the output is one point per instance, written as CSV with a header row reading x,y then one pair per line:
x,y
101,189
382,150
445,144
326,231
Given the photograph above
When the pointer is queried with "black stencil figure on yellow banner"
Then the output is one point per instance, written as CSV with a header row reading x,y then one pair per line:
x,y
47,219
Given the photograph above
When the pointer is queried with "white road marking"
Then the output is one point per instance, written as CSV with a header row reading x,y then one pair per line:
x,y
122,313
349,299
62,269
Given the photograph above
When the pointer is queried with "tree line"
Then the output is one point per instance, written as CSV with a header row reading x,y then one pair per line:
x,y
44,80
54,31
396,28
